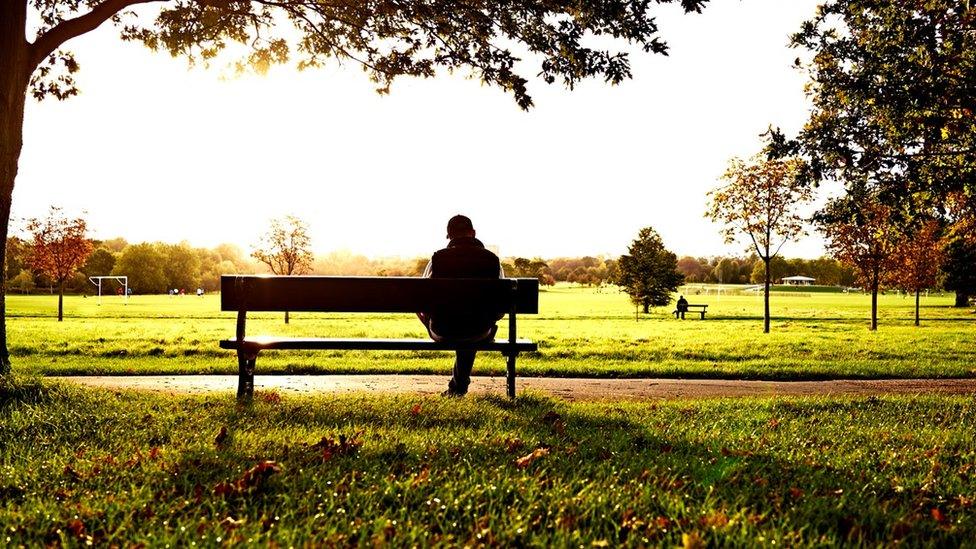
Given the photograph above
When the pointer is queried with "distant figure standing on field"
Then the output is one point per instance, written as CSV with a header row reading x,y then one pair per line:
x,y
682,307
464,257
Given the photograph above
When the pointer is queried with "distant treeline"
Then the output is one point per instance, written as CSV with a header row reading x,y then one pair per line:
x,y
749,270
157,267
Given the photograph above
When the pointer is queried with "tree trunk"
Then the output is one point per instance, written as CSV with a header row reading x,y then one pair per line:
x,y
647,308
286,317
962,299
61,302
14,74
874,308
917,296
766,297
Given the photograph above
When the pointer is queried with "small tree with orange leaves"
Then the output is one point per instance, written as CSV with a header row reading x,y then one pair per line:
x,y
860,233
917,261
761,201
58,247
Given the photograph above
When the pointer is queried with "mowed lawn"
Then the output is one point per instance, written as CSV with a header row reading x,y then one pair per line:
x,y
80,467
581,332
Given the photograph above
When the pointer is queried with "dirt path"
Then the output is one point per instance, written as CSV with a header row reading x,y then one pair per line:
x,y
567,388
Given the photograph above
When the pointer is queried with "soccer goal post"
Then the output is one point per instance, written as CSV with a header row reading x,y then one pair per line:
x,y
124,280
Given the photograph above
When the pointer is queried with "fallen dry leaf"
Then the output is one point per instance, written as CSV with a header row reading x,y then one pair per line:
x,y
528,459
221,436
331,447
252,479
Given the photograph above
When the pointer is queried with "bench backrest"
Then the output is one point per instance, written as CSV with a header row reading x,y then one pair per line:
x,y
377,294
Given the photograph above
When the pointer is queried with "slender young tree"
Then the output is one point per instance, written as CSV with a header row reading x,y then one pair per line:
x,y
286,248
917,260
649,272
860,233
387,38
761,200
58,248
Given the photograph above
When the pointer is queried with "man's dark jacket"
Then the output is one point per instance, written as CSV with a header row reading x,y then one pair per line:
x,y
464,257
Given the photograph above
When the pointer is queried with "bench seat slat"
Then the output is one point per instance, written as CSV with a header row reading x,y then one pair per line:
x,y
262,343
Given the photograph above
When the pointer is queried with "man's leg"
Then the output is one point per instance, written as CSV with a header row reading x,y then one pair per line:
x,y
463,363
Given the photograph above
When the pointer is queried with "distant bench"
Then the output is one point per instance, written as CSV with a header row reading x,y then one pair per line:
x,y
373,295
703,307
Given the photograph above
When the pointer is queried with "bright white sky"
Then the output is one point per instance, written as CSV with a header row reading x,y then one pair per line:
x,y
154,151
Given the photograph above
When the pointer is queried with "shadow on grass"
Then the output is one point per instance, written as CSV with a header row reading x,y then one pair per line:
x,y
623,474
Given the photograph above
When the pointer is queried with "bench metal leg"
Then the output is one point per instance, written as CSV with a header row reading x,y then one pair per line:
x,y
510,377
245,375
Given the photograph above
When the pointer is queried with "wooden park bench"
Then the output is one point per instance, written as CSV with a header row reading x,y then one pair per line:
x,y
373,295
703,307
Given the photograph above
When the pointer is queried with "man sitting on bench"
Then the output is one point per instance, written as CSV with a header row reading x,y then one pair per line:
x,y
464,257
682,307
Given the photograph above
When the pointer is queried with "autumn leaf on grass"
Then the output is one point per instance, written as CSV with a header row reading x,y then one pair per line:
x,y
421,477
692,541
72,473
76,527
155,452
221,437
252,479
268,397
717,519
630,521
331,447
229,523
415,410
555,421
939,516
513,445
528,459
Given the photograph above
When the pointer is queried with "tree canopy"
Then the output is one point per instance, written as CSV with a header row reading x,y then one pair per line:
x,y
649,271
58,247
761,201
860,232
893,87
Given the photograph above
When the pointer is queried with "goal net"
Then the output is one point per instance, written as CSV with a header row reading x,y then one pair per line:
x,y
122,284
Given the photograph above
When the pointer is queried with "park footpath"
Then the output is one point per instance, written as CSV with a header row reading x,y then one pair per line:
x,y
575,389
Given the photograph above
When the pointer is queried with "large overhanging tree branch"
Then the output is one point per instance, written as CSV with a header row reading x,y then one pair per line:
x,y
387,38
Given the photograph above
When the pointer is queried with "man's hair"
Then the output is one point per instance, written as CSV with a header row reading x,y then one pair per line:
x,y
459,225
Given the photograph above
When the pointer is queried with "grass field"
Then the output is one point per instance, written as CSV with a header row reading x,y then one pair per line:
x,y
581,332
131,469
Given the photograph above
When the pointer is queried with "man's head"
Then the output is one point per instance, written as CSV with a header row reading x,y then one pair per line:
x,y
460,226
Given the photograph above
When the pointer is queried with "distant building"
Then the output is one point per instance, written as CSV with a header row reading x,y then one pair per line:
x,y
798,280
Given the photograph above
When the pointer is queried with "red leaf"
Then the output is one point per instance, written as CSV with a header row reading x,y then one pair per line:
x,y
76,527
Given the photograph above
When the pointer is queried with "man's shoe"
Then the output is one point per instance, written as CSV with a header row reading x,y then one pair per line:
x,y
451,394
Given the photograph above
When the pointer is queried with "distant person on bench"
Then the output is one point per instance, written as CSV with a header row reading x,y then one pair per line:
x,y
682,307
464,257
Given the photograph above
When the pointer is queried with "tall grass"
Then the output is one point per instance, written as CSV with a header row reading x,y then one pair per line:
x,y
81,466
